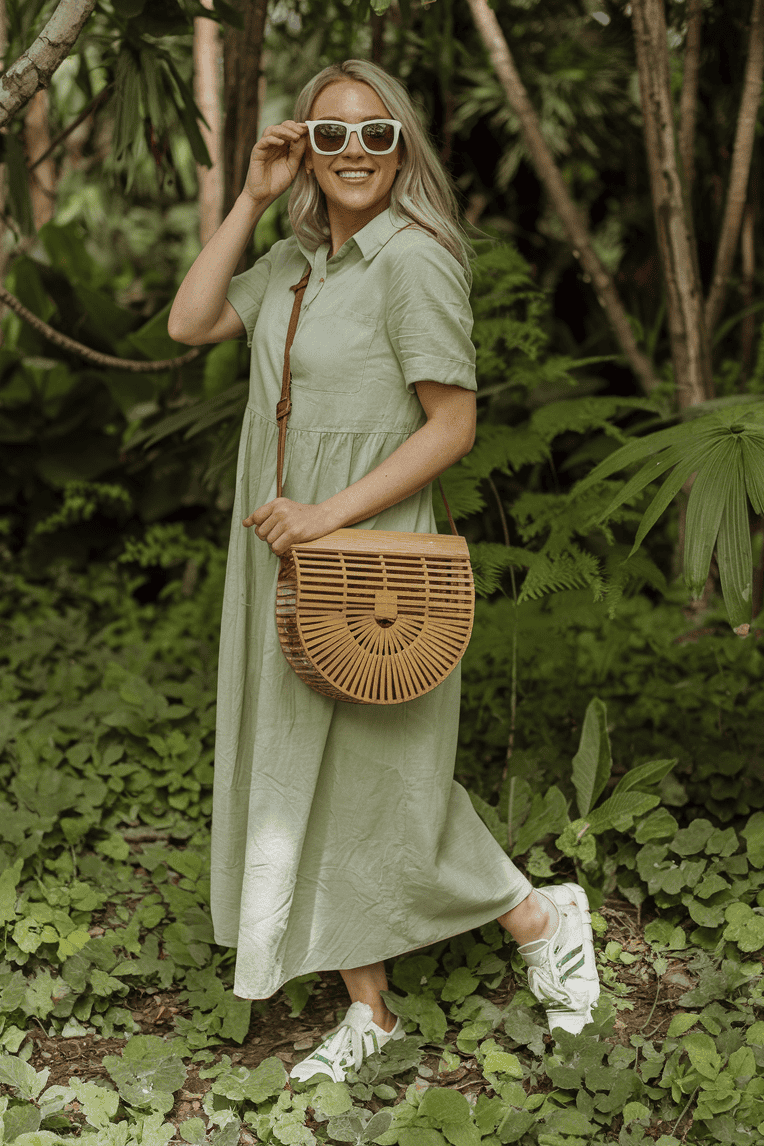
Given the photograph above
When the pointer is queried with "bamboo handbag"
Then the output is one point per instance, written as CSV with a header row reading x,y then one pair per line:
x,y
365,615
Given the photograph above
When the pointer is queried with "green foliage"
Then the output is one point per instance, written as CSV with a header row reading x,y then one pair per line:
x,y
671,691
67,486
725,450
92,909
148,1073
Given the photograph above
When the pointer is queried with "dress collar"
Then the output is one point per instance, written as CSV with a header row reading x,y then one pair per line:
x,y
369,240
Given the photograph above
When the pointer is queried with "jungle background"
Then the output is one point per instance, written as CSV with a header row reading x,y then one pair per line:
x,y
608,164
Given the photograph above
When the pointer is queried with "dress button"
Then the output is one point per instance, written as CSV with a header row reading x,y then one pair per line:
x,y
320,280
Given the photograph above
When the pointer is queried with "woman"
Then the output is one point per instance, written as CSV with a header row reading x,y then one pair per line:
x,y
339,838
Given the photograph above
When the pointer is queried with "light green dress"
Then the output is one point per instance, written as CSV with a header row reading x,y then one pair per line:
x,y
339,837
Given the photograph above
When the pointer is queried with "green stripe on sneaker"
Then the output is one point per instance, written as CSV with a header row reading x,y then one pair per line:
x,y
571,954
570,970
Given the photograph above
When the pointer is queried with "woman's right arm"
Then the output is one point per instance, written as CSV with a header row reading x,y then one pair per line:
x,y
201,313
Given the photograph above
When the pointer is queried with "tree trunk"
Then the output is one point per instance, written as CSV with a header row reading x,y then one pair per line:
x,y
548,172
34,68
3,225
737,190
689,346
207,95
42,176
689,103
748,268
378,37
242,51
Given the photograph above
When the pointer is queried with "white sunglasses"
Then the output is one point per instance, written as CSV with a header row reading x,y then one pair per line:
x,y
330,136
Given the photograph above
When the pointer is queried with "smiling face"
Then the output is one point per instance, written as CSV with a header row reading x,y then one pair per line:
x,y
357,185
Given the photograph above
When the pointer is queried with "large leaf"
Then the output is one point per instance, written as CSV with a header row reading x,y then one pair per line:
x,y
733,552
548,814
593,762
668,491
198,416
753,466
687,455
708,499
620,811
188,114
644,775
645,447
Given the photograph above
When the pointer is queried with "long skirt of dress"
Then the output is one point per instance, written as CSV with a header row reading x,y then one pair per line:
x,y
339,836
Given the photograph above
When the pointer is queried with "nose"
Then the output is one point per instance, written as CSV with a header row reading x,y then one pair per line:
x,y
354,143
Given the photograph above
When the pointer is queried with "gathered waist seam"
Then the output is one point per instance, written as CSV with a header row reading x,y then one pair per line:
x,y
380,431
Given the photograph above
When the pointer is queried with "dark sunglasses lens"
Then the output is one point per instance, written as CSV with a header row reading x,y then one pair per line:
x,y
378,136
330,137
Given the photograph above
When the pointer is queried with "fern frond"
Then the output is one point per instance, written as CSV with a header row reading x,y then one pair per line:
x,y
503,448
580,415
574,569
561,516
462,489
625,573
490,561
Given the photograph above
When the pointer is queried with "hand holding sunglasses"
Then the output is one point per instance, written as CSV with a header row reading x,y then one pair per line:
x,y
376,136
275,160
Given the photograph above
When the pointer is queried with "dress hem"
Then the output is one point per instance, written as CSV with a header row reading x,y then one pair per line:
x,y
516,899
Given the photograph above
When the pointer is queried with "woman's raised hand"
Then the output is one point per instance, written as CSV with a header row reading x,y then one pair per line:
x,y
275,160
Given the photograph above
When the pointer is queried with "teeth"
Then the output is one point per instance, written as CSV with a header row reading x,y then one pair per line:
x,y
353,174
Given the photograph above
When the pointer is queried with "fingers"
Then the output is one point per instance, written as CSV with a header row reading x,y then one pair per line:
x,y
268,524
283,523
282,134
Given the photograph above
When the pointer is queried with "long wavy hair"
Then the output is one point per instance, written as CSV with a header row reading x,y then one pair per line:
x,y
422,192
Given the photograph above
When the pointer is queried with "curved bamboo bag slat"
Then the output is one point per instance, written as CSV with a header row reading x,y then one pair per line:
x,y
374,617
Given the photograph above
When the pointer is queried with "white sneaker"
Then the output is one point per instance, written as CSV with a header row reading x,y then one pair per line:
x,y
346,1047
562,971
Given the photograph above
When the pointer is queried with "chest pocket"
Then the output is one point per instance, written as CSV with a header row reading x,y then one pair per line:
x,y
329,352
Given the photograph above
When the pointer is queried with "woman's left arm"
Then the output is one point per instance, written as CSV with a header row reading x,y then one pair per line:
x,y
446,436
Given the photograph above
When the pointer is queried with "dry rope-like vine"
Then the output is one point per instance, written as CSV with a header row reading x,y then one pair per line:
x,y
55,336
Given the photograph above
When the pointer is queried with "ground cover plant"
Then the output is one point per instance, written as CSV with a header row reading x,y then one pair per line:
x,y
118,1020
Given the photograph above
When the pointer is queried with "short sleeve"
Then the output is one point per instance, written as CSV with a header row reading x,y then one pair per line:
x,y
246,292
429,318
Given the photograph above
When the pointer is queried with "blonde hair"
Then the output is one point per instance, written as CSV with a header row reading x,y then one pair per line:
x,y
422,192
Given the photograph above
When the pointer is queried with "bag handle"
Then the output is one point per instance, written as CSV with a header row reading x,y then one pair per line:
x,y
284,404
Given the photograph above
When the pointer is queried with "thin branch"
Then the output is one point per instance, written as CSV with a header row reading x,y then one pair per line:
x,y
513,682
92,106
34,68
55,336
575,228
741,164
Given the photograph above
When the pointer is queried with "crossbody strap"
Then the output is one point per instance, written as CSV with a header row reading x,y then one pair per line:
x,y
284,404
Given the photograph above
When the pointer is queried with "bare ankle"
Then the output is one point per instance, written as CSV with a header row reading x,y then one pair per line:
x,y
533,919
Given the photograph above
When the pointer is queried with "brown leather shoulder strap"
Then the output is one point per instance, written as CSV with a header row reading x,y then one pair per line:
x,y
284,404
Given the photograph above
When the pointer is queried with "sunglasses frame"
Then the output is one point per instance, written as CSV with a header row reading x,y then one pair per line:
x,y
312,124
